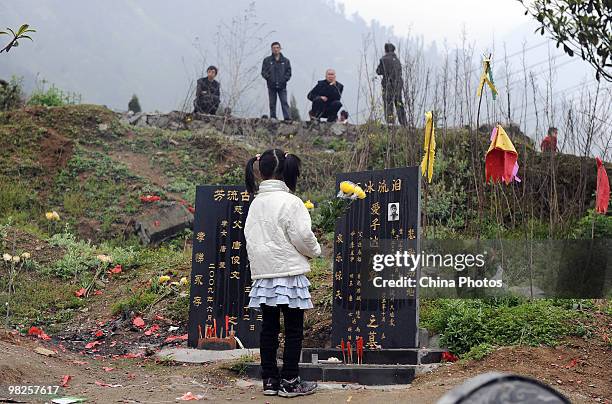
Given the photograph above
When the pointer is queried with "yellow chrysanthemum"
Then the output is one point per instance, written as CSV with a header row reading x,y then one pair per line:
x,y
184,280
164,279
49,215
347,187
309,205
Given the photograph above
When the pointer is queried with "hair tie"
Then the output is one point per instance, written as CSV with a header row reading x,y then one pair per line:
x,y
286,154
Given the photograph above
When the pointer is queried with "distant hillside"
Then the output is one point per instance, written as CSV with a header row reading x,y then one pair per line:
x,y
84,163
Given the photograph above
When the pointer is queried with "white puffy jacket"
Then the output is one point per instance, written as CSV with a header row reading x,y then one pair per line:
x,y
278,233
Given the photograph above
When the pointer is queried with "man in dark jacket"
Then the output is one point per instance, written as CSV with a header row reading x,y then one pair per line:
x,y
392,84
208,93
325,97
276,69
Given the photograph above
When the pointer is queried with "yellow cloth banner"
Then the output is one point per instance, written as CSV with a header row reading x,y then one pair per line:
x,y
486,78
429,147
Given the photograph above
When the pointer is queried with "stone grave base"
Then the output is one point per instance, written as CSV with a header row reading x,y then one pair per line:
x,y
380,367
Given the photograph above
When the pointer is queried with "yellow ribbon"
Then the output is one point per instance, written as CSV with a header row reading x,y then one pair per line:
x,y
429,147
485,78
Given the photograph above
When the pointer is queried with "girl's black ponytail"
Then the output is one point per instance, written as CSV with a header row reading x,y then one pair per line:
x,y
249,176
291,170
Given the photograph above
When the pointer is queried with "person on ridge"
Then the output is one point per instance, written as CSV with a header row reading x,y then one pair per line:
x,y
276,70
208,93
325,97
390,68
549,143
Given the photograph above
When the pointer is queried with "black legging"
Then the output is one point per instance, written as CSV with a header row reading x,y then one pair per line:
x,y
294,334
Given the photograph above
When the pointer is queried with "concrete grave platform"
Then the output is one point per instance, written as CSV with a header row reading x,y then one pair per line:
x,y
367,375
402,356
190,355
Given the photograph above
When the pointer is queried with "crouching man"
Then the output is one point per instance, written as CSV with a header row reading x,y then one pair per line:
x,y
325,97
208,93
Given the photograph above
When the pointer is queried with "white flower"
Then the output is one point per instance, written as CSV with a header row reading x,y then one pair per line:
x,y
7,257
104,258
16,258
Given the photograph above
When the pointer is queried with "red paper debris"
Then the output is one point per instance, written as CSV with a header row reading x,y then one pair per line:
x,y
80,363
189,396
156,223
138,322
99,333
39,333
151,330
572,363
131,355
80,293
191,209
449,357
175,338
92,344
65,380
158,317
116,269
97,292
107,369
149,198
113,344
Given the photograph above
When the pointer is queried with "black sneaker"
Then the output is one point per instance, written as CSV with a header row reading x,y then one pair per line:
x,y
296,387
270,387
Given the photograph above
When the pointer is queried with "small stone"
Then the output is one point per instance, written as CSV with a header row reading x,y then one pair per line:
x,y
44,351
559,381
244,384
103,127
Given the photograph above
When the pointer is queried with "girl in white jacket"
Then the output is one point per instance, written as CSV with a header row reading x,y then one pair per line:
x,y
279,241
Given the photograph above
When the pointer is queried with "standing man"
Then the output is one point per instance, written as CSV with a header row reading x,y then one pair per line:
x,y
392,84
325,97
208,93
276,69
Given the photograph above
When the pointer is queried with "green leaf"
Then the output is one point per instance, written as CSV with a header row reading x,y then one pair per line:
x,y
27,37
22,29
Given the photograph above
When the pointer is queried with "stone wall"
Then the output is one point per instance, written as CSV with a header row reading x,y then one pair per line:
x,y
243,127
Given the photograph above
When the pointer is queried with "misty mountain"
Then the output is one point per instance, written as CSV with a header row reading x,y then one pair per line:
x,y
106,51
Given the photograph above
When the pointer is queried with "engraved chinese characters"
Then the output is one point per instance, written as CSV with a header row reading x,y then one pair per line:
x,y
220,277
384,222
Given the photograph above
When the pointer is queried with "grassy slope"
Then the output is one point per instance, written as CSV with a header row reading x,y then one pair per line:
x,y
81,162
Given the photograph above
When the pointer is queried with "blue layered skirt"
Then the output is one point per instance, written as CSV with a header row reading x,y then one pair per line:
x,y
289,290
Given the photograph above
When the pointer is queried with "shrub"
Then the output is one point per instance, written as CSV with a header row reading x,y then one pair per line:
x,y
465,324
53,96
11,94
479,351
134,104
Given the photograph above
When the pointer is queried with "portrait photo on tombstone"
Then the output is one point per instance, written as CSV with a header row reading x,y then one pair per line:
x,y
393,212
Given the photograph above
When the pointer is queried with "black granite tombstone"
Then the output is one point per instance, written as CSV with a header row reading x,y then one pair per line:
x,y
386,220
220,276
